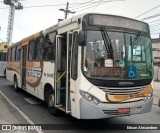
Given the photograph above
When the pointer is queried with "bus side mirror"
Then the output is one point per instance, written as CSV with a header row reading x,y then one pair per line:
x,y
81,38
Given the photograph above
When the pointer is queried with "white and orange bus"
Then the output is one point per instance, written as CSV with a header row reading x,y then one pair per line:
x,y
90,66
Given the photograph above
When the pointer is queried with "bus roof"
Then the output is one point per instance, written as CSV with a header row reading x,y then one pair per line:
x,y
63,23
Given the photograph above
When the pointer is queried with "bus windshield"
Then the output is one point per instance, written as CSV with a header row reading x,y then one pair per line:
x,y
122,56
2,56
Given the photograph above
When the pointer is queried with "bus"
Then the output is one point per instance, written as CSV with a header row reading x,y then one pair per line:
x,y
90,66
3,53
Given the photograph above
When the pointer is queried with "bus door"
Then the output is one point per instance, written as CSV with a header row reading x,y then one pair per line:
x,y
60,72
69,45
74,74
23,69
63,74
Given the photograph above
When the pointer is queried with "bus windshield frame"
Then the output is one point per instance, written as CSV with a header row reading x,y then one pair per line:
x,y
131,38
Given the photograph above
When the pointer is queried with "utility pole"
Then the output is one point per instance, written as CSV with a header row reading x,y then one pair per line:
x,y
10,24
14,5
66,11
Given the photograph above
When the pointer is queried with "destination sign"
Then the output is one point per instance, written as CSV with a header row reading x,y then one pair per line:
x,y
118,21
106,71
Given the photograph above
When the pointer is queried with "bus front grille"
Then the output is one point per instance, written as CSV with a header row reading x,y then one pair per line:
x,y
122,91
114,113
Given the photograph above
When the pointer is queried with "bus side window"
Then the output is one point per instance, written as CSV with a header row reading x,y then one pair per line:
x,y
31,50
13,53
50,46
39,49
18,53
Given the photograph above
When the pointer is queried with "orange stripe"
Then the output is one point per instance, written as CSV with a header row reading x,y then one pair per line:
x,y
120,98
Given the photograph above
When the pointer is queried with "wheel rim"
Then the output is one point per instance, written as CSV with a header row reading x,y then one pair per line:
x,y
51,101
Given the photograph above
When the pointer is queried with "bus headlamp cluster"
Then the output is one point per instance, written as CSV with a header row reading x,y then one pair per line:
x,y
89,97
148,97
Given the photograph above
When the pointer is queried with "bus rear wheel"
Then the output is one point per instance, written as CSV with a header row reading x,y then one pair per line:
x,y
54,111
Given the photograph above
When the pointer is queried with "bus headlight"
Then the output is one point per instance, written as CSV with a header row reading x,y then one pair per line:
x,y
148,97
90,98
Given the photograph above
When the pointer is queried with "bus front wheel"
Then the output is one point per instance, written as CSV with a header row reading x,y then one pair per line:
x,y
54,111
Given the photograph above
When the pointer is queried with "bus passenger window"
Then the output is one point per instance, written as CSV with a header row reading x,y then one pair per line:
x,y
13,54
39,49
48,41
18,52
49,46
31,51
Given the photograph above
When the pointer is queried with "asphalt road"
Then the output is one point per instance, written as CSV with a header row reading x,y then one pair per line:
x,y
37,111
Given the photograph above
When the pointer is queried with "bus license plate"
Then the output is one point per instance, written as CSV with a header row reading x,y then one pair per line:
x,y
124,110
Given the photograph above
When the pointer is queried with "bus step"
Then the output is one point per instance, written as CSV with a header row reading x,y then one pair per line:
x,y
62,108
61,88
68,112
58,105
24,87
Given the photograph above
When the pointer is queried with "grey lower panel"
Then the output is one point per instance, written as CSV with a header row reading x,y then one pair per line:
x,y
145,106
91,111
88,110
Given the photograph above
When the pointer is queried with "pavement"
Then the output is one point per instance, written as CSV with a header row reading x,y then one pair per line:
x,y
9,114
156,92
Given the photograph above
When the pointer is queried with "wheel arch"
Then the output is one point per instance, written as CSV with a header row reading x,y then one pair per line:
x,y
47,89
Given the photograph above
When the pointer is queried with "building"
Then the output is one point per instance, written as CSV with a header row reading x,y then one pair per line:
x,y
3,46
156,58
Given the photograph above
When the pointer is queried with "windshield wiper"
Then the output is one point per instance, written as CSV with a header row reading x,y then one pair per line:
x,y
107,41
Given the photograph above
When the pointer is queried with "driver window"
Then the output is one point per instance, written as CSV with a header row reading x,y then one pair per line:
x,y
94,51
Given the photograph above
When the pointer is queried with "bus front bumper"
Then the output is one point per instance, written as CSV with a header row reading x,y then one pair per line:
x,y
106,110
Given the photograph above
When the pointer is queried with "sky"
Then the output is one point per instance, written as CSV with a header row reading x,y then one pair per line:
x,y
33,19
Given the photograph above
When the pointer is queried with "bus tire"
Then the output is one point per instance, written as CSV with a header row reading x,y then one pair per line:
x,y
16,88
54,111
